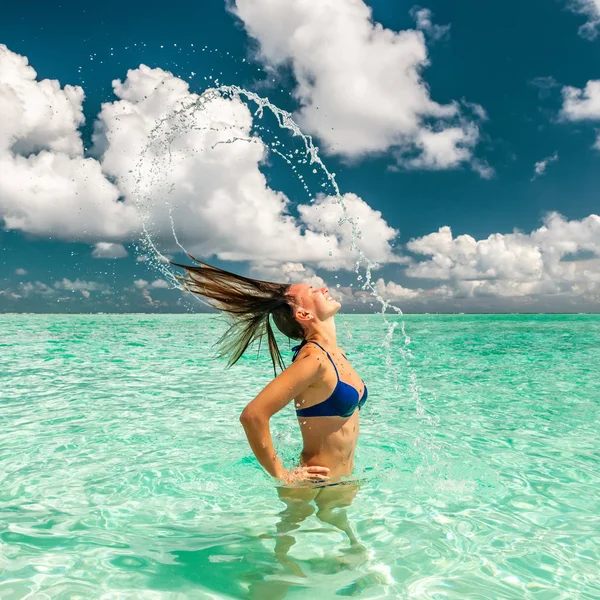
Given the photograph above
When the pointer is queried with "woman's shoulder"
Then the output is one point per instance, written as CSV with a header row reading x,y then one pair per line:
x,y
310,352
308,349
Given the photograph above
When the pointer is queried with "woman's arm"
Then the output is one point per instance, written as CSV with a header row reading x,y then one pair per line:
x,y
259,437
280,392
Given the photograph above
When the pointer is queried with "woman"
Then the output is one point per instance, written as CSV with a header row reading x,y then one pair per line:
x,y
325,388
322,383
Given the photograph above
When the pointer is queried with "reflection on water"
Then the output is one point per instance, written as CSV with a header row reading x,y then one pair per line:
x,y
329,505
276,561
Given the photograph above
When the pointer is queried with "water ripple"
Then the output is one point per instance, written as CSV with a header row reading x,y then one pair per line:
x,y
124,472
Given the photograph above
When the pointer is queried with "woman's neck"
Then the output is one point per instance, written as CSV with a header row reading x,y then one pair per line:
x,y
323,333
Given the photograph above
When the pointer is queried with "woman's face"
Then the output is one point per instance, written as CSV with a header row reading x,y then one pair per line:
x,y
316,301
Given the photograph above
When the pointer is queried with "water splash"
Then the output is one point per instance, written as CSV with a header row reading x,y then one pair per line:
x,y
166,130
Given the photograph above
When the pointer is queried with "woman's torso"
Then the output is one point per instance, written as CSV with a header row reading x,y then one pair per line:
x,y
330,441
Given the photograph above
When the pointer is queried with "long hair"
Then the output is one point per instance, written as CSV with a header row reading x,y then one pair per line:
x,y
249,303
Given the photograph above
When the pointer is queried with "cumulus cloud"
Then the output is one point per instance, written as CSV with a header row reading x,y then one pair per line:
x,y
579,105
359,85
590,9
543,262
81,286
221,203
159,284
443,149
540,167
288,272
28,288
582,104
423,19
10,295
109,250
394,291
554,268
142,284
322,218
483,168
47,186
148,297
145,286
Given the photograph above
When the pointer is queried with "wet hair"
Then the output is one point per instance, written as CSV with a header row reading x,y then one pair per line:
x,y
249,303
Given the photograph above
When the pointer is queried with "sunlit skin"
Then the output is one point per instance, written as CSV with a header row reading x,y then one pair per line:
x,y
328,442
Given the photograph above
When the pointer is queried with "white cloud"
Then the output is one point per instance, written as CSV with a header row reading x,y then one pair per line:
x,y
443,149
423,16
82,286
515,264
359,85
141,284
554,268
221,202
109,250
148,297
477,109
540,167
322,220
10,294
20,272
47,186
591,9
159,284
27,288
483,168
582,105
36,114
145,286
288,272
393,291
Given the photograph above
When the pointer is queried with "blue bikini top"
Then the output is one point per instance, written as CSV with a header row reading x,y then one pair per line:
x,y
342,402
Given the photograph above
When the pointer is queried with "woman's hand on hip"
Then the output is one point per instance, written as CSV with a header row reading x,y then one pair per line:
x,y
299,474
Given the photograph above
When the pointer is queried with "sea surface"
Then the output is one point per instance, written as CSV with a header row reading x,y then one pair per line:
x,y
125,473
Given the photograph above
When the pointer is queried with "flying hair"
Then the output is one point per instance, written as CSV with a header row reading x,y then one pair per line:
x,y
249,304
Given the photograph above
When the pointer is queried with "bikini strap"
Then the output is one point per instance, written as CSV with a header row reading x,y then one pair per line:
x,y
296,350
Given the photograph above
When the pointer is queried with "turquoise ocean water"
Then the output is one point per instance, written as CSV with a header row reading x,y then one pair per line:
x,y
124,471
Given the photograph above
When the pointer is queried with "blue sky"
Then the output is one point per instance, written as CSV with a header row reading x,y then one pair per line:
x,y
433,118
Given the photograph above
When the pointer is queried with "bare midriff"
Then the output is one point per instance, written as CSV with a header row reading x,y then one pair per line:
x,y
330,442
